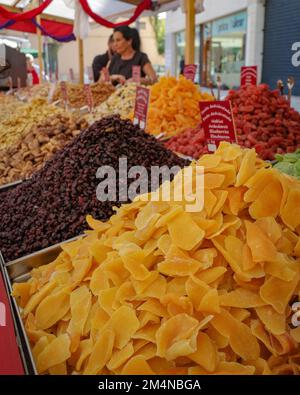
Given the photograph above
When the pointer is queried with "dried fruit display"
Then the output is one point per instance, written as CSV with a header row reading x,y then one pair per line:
x,y
29,153
8,105
265,120
51,206
120,102
29,93
174,106
190,142
161,290
76,97
23,119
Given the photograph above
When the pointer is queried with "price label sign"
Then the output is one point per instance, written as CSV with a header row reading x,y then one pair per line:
x,y
189,71
71,72
64,92
217,122
10,361
141,106
248,75
88,97
136,74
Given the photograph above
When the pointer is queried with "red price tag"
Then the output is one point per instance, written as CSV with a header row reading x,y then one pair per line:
x,y
189,71
89,96
10,361
71,72
19,82
136,74
141,106
64,91
217,122
248,75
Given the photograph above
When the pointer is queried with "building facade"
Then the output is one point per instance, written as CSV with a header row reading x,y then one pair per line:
x,y
229,34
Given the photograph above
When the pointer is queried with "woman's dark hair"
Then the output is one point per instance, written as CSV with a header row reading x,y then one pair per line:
x,y
130,33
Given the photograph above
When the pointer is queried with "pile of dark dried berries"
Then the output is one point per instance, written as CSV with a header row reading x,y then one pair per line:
x,y
51,206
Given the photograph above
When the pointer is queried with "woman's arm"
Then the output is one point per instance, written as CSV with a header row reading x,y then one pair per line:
x,y
151,76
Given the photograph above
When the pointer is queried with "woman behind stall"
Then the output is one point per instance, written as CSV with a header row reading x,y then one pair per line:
x,y
127,45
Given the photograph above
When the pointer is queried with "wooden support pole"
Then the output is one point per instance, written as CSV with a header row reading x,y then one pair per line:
x,y
190,32
40,49
81,61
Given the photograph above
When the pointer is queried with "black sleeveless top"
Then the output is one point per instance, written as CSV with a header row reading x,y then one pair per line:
x,y
124,67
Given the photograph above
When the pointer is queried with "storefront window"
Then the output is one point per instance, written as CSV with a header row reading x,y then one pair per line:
x,y
224,41
180,51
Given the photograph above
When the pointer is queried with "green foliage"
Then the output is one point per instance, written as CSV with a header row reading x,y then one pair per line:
x,y
159,27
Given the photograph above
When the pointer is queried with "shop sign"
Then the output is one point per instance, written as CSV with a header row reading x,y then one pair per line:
x,y
230,24
217,122
189,71
141,106
88,96
136,74
10,361
248,75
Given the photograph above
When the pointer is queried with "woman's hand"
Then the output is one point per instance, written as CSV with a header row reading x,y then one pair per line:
x,y
118,77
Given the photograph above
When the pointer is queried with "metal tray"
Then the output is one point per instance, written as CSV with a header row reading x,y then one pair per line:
x,y
19,271
6,187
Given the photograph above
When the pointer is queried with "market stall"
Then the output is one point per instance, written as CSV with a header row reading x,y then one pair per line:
x,y
147,230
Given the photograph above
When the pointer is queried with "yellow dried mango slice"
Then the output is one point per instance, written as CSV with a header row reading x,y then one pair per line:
x,y
268,202
206,354
96,224
58,370
38,297
277,292
84,350
58,351
106,299
247,168
134,263
234,368
262,248
80,301
153,306
177,304
213,181
290,214
101,354
185,240
147,333
270,227
235,199
22,292
177,337
52,309
137,365
119,357
209,161
273,321
124,323
147,352
141,286
210,275
242,298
